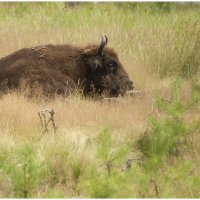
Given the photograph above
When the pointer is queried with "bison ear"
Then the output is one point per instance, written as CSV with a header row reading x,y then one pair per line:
x,y
90,50
87,51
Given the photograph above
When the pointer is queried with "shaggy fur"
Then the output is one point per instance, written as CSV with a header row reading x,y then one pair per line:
x,y
60,69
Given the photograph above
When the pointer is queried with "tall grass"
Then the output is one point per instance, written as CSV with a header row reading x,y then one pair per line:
x,y
130,157
162,38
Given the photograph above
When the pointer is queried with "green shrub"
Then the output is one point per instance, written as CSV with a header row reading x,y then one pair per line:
x,y
105,177
24,170
106,153
165,135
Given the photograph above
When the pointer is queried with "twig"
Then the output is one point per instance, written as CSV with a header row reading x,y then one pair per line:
x,y
44,122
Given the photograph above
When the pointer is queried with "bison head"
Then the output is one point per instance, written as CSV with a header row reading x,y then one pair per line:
x,y
105,70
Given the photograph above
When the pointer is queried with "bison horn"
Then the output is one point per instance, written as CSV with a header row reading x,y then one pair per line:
x,y
104,41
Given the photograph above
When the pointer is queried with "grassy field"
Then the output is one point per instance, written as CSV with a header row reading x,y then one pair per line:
x,y
142,146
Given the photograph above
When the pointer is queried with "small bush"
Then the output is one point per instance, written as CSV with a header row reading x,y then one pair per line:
x,y
165,135
23,169
104,179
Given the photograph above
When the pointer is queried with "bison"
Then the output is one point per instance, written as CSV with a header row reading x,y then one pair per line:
x,y
61,69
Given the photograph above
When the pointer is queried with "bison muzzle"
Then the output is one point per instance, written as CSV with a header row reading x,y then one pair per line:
x,y
61,69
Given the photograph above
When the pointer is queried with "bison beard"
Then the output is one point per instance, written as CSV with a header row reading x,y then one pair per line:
x,y
61,69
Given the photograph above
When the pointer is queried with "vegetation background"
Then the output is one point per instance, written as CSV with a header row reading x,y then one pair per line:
x,y
142,146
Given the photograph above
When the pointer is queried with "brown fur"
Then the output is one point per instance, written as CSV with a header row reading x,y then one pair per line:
x,y
59,69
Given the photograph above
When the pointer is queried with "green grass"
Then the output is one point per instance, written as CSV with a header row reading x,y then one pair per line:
x,y
156,132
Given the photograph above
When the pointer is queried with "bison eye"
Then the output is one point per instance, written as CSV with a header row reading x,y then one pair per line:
x,y
112,68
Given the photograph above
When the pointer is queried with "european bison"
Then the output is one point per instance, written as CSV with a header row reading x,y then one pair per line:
x,y
60,69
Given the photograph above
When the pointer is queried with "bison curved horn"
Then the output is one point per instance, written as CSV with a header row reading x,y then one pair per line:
x,y
104,41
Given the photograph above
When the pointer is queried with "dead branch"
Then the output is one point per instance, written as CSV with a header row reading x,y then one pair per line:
x,y
46,116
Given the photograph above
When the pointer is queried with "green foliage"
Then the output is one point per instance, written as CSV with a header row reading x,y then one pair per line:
x,y
165,139
58,164
77,170
106,181
105,151
179,176
104,144
24,170
165,135
100,186
117,185
109,177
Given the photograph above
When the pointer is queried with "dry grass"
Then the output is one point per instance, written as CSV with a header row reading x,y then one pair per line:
x,y
80,121
128,115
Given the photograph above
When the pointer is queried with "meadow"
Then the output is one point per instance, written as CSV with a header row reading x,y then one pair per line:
x,y
143,146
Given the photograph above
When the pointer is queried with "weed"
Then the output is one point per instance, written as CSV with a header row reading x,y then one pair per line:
x,y
24,170
105,178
